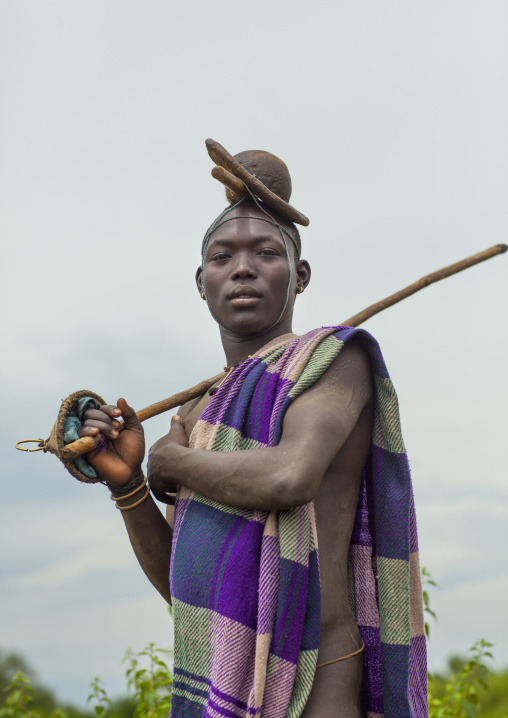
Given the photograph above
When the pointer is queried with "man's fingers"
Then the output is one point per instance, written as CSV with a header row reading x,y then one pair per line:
x,y
165,497
87,431
177,432
91,427
99,415
109,409
176,422
129,415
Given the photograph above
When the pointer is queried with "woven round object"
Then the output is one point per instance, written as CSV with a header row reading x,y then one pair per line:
x,y
55,443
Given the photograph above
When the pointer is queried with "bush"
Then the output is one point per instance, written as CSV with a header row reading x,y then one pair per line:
x,y
148,677
459,697
469,690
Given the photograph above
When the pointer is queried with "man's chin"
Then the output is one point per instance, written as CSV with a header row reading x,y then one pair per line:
x,y
248,326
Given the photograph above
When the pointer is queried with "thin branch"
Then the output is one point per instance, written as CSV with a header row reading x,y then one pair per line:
x,y
369,312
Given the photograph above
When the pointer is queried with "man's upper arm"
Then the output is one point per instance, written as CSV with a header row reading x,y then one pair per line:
x,y
319,422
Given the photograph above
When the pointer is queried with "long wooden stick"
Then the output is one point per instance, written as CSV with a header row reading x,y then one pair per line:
x,y
82,446
369,312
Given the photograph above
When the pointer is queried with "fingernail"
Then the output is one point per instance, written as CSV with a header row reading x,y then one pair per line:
x,y
114,433
116,411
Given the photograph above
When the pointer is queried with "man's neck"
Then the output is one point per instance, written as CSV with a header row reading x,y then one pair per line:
x,y
238,347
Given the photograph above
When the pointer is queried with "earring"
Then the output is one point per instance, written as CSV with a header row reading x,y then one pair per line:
x,y
300,290
203,296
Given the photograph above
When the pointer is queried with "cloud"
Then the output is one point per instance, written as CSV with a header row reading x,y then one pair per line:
x,y
76,568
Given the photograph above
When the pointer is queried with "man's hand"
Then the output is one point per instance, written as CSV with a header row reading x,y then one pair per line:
x,y
121,460
161,457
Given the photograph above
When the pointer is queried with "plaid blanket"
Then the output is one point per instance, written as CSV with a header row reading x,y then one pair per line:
x,y
245,583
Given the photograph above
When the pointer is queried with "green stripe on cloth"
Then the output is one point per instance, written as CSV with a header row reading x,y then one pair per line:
x,y
387,433
229,439
305,669
322,357
196,620
393,577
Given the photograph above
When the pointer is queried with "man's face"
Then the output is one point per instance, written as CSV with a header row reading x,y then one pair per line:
x,y
246,273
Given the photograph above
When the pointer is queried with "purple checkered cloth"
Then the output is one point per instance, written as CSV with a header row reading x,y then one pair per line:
x,y
245,583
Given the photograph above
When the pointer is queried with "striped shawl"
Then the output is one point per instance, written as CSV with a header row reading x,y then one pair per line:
x,y
245,583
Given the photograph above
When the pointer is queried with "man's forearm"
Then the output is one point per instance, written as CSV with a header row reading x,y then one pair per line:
x,y
151,538
316,427
263,479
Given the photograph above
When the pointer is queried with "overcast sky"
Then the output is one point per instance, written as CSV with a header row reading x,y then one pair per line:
x,y
392,118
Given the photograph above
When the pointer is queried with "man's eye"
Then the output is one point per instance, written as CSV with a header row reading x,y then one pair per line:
x,y
219,256
268,253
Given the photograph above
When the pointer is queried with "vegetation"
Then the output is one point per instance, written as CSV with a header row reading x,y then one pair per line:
x,y
469,690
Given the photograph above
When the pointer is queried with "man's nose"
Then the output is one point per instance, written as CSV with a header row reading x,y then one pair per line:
x,y
244,267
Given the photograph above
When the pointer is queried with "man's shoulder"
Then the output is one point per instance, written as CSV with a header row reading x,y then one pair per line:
x,y
351,366
351,369
354,344
342,332
336,370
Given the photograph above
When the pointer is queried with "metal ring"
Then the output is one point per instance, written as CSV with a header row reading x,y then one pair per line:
x,y
28,441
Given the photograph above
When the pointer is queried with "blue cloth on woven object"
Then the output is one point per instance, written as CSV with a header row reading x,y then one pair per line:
x,y
73,423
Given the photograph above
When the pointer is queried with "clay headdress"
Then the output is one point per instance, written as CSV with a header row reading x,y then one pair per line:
x,y
256,173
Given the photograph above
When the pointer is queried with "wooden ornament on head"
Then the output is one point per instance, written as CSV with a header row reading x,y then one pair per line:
x,y
264,174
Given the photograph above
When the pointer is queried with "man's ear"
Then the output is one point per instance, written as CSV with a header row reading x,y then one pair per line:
x,y
303,273
199,285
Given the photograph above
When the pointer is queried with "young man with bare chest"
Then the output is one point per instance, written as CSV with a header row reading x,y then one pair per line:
x,y
251,276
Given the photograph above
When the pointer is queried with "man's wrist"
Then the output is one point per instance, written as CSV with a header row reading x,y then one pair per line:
x,y
135,481
132,499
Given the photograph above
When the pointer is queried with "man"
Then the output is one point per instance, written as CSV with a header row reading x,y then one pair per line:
x,y
251,275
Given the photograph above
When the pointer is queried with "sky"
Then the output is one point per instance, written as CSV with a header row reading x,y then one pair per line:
x,y
392,119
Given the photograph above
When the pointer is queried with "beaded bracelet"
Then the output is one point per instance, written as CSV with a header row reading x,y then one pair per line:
x,y
131,493
121,491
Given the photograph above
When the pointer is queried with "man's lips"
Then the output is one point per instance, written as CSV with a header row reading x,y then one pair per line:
x,y
243,291
244,296
244,301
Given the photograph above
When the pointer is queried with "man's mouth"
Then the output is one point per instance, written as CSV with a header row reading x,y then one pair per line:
x,y
244,300
244,297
